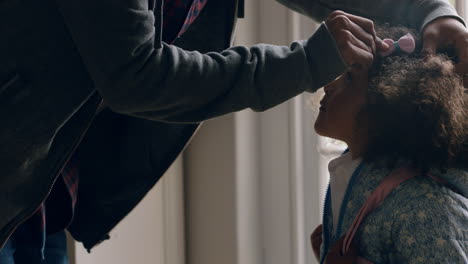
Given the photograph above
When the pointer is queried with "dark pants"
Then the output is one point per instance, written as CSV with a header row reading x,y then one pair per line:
x,y
55,251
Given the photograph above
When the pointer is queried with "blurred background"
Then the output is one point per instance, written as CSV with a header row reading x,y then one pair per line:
x,y
249,188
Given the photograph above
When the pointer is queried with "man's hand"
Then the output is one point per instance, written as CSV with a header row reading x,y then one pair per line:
x,y
444,33
356,39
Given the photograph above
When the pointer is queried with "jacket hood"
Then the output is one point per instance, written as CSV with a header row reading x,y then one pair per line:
x,y
457,178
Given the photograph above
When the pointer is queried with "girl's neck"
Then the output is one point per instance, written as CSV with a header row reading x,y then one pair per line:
x,y
356,149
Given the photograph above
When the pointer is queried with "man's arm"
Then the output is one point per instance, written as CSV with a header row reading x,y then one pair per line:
x,y
412,13
138,75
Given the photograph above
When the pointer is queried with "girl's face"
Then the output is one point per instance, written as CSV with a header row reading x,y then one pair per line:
x,y
343,101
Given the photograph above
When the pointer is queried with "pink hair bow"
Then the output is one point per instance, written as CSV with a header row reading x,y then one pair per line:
x,y
406,44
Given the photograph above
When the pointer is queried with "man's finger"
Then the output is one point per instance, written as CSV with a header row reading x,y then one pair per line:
x,y
462,70
368,26
345,38
336,13
461,46
364,23
381,46
357,57
341,22
362,59
429,47
430,42
363,36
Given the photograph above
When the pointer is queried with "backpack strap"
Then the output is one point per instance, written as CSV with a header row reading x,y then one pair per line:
x,y
389,183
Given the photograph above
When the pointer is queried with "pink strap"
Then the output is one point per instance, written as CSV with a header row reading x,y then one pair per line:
x,y
375,199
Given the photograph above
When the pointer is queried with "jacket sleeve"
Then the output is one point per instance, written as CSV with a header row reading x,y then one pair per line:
x,y
432,232
412,13
138,75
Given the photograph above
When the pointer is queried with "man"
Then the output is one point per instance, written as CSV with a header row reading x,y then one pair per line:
x,y
61,57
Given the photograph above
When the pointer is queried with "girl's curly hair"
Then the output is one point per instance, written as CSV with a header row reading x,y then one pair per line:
x,y
417,108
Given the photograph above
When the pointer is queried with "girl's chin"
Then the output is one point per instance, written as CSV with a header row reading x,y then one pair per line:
x,y
323,134
319,128
322,130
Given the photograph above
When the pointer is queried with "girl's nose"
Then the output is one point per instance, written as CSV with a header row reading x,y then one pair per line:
x,y
329,88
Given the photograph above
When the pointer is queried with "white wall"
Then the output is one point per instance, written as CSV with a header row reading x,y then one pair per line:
x,y
153,233
210,195
253,191
462,6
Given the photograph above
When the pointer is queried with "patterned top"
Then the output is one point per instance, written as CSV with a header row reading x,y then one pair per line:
x,y
57,212
421,221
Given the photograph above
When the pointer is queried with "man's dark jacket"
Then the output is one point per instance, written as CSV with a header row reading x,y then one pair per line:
x,y
60,58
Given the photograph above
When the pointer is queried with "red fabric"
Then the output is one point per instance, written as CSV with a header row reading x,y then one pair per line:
x,y
71,180
178,15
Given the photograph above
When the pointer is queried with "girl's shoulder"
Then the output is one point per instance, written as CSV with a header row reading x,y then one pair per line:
x,y
421,220
436,196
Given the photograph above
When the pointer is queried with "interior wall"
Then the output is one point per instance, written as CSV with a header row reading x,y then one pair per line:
x,y
153,233
212,188
210,195
245,189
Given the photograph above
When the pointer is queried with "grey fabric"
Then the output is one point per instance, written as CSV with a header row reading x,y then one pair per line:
x,y
119,147
412,13
141,77
456,178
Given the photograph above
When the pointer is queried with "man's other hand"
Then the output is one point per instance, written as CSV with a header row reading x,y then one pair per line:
x,y
445,33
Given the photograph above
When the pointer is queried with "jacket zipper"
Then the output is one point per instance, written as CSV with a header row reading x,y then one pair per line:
x,y
325,224
326,206
345,200
29,213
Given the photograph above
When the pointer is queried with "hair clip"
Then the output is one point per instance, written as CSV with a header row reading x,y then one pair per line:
x,y
406,44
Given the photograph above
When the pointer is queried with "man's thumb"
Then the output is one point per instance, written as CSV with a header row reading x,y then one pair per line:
x,y
429,46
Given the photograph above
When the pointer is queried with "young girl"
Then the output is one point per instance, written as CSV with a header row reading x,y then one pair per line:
x,y
411,112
